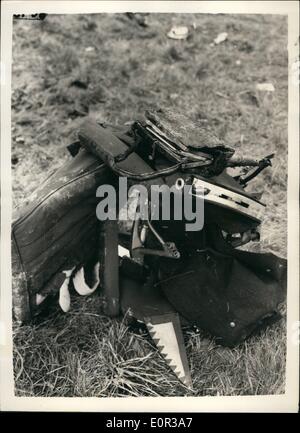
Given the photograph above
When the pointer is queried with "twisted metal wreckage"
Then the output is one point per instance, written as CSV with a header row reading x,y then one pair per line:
x,y
168,277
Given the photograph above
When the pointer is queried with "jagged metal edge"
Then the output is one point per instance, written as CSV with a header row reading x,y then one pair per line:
x,y
174,319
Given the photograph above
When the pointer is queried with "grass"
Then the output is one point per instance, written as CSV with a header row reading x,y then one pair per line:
x,y
85,353
110,67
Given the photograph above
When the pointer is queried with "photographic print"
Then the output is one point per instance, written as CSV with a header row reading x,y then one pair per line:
x,y
149,194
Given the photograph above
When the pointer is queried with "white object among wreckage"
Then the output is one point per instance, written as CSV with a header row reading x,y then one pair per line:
x,y
80,285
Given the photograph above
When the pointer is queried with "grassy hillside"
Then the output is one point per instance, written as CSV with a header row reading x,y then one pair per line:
x,y
113,67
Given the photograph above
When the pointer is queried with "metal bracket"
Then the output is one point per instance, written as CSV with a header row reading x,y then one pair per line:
x,y
137,247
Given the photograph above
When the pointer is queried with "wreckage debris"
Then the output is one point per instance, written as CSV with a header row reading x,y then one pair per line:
x,y
178,32
222,37
165,275
265,87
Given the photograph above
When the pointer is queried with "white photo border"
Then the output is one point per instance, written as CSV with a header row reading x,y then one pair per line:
x,y
287,402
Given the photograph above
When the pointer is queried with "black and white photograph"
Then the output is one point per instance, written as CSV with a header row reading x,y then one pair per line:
x,y
150,170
